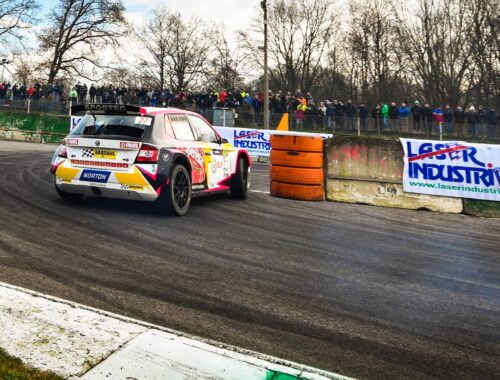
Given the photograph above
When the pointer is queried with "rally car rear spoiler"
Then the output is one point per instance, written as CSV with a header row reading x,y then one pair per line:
x,y
107,108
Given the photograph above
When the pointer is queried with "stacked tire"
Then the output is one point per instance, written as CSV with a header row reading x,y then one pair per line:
x,y
297,167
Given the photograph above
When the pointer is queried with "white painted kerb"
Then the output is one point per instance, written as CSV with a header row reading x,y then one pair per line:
x,y
71,339
58,337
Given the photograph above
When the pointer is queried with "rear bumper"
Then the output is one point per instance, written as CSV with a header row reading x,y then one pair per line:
x,y
130,184
106,192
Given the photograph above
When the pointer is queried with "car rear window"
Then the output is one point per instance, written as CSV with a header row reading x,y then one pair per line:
x,y
129,126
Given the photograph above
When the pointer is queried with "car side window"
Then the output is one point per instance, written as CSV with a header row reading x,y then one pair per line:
x,y
180,126
203,131
169,131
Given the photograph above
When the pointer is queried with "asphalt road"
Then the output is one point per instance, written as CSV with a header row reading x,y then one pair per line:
x,y
363,291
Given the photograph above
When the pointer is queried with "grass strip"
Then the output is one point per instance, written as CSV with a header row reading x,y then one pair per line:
x,y
12,368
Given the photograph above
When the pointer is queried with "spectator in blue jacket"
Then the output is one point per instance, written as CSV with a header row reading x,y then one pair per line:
x,y
448,119
404,113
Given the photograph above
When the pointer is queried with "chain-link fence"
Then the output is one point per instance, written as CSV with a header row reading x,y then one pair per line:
x,y
246,117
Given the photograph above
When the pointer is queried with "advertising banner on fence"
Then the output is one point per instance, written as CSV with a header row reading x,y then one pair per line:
x,y
452,169
256,141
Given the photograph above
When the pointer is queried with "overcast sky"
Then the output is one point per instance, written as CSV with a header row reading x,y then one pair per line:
x,y
235,14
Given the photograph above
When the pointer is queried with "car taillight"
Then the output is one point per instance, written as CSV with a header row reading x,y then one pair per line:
x,y
147,154
61,151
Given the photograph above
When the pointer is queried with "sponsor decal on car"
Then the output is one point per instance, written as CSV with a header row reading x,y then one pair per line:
x,y
99,153
129,145
106,154
135,187
140,120
97,176
100,164
131,187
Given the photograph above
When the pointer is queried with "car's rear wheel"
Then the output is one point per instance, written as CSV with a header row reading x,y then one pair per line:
x,y
65,195
177,196
239,182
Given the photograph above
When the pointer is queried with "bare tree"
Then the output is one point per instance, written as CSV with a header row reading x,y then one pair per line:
x,y
228,64
177,49
374,47
299,33
332,83
155,42
15,16
23,72
448,48
78,30
483,34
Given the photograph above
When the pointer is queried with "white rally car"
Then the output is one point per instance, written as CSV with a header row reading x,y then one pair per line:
x,y
166,155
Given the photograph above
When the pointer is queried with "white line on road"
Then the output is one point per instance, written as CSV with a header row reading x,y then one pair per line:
x,y
260,191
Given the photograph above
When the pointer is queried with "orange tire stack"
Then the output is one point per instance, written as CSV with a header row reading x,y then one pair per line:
x,y
296,168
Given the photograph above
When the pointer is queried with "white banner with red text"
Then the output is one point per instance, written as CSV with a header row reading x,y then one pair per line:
x,y
257,141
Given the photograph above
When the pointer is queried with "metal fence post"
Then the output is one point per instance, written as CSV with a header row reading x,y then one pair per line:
x,y
359,128
440,131
29,105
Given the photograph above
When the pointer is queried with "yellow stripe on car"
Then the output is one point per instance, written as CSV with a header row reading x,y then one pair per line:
x,y
135,179
66,173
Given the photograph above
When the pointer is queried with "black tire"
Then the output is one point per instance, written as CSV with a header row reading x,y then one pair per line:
x,y
176,198
67,196
239,182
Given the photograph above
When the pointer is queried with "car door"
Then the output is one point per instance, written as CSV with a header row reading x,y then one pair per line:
x,y
216,157
187,142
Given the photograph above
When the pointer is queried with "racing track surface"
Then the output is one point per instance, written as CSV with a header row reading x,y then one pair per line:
x,y
364,291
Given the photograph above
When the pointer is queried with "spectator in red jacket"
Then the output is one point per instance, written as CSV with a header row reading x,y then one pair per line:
x,y
31,91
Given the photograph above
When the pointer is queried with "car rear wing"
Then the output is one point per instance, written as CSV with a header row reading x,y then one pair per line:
x,y
121,109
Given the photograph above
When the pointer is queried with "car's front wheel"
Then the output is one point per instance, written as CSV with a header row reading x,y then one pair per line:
x,y
177,196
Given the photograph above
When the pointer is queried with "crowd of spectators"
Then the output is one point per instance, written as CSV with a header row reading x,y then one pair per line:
x,y
334,114
410,118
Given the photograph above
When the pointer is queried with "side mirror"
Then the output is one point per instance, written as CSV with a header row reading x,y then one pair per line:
x,y
224,141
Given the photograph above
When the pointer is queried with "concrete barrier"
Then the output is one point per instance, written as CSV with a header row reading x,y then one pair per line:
x,y
370,171
20,135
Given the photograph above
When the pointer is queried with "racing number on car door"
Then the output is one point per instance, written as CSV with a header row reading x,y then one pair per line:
x,y
217,160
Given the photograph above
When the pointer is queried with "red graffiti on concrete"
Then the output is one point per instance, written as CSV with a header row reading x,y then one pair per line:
x,y
351,152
